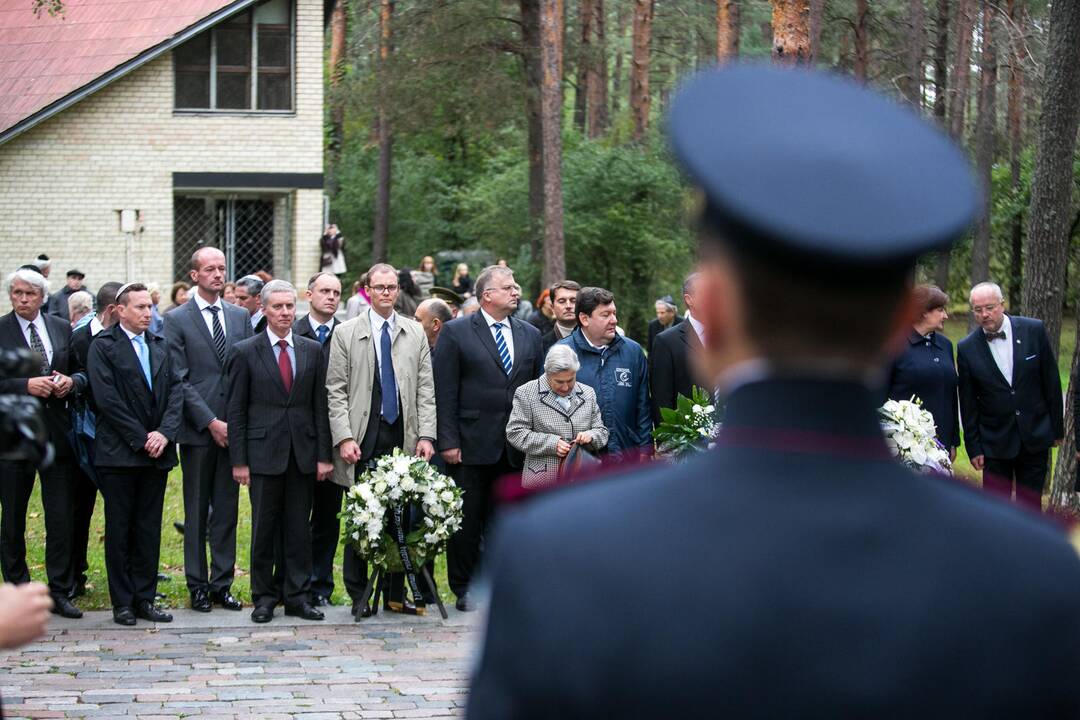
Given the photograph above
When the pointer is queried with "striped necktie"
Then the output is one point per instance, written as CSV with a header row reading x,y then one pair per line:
x,y
219,334
504,352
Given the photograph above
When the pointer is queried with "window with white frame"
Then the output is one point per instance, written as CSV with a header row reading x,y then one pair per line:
x,y
243,64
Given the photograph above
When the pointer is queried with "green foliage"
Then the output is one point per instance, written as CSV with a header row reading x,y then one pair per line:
x,y
689,426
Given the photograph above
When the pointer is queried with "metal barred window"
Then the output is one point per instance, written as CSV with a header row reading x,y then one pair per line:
x,y
251,231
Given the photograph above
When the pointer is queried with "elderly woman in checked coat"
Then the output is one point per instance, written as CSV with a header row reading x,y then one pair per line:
x,y
553,414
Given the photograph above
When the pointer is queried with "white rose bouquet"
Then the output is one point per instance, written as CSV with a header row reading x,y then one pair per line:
x,y
398,480
688,428
911,436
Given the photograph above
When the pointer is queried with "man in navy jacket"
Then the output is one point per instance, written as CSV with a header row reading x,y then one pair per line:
x,y
1010,397
615,367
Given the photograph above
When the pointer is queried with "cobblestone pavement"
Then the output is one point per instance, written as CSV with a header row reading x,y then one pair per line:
x,y
221,665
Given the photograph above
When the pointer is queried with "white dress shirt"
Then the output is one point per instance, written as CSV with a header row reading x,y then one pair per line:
x,y
256,318
698,327
507,333
1002,350
39,323
315,324
274,340
208,317
377,321
95,327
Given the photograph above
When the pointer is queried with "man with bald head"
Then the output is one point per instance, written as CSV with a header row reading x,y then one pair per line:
x,y
433,314
200,333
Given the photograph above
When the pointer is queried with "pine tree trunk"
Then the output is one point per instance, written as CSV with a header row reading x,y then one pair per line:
x,y
597,79
985,133
962,69
1015,121
530,45
911,83
551,102
791,32
640,97
380,236
727,30
617,79
817,10
338,33
584,61
862,40
941,81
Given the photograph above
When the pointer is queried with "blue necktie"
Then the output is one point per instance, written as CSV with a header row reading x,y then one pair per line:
x,y
387,379
504,352
144,358
323,332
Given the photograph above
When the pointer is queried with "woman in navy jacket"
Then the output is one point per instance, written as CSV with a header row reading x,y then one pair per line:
x,y
926,368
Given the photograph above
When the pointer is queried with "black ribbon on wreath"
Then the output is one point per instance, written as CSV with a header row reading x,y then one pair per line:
x,y
403,519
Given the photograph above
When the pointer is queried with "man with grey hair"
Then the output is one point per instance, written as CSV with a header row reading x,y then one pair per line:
x,y
667,317
248,293
279,446
80,308
480,362
48,338
671,371
1010,397
200,334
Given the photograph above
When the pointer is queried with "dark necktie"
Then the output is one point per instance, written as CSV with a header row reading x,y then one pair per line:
x,y
386,378
323,332
995,336
285,365
219,334
39,347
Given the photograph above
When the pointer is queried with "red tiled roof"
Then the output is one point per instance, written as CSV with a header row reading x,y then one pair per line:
x,y
44,59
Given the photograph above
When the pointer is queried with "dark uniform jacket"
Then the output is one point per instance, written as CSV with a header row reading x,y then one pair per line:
x,y
823,580
128,410
926,370
1001,419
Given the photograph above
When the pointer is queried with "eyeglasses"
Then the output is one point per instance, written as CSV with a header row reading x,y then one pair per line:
x,y
383,289
980,309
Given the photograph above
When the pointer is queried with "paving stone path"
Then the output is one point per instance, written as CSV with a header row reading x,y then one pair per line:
x,y
222,666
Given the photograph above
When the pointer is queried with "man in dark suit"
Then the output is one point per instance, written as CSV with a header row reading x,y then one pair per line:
x,y
1010,397
479,362
84,490
248,291
667,317
140,405
671,371
200,333
279,444
563,304
324,296
814,553
27,327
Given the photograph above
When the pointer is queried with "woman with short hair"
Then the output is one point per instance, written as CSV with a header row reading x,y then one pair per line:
x,y
551,415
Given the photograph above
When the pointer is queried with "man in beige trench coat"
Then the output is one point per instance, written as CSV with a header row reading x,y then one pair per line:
x,y
380,396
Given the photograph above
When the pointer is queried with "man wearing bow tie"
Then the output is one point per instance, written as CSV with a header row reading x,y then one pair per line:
x,y
1010,397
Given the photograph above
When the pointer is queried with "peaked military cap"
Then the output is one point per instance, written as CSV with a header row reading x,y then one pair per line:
x,y
446,295
805,168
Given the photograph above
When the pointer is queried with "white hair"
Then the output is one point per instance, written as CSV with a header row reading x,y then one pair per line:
x,y
276,286
29,277
561,358
80,302
987,286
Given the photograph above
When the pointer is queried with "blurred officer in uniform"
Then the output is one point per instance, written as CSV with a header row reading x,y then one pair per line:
x,y
822,579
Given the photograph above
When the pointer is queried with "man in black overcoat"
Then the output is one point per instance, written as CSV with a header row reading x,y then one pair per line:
x,y
279,443
27,326
667,317
140,406
814,576
671,371
479,362
1010,397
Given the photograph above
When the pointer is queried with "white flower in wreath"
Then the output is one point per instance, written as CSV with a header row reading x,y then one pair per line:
x,y
402,464
446,496
431,538
408,484
380,487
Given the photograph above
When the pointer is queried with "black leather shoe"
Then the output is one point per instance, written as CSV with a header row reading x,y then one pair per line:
x,y
465,603
321,600
306,611
225,600
360,611
123,616
262,614
146,610
200,601
65,608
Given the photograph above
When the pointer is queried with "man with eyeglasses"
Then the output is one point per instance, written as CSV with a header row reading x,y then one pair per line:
x,y
381,396
1010,397
479,362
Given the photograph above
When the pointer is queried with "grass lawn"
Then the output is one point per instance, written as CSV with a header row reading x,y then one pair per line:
x,y
172,553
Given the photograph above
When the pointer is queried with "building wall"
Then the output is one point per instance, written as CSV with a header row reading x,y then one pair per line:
x,y
63,182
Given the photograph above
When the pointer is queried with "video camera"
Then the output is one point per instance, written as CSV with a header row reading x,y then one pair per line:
x,y
23,434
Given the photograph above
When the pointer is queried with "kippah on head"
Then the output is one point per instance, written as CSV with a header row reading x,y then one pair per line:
x,y
812,170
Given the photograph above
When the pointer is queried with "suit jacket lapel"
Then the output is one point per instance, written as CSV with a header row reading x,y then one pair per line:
x,y
267,354
157,357
984,349
196,317
301,363
482,330
689,336
15,330
518,333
